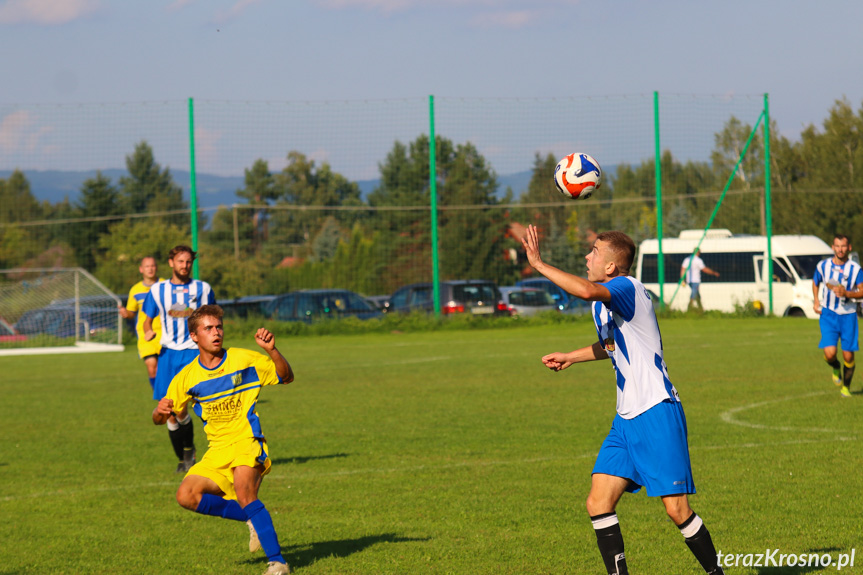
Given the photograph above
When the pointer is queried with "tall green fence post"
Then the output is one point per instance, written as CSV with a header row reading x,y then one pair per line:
x,y
193,191
433,194
768,215
660,257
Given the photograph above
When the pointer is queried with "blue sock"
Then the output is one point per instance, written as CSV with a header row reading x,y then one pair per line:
x,y
218,507
152,383
263,524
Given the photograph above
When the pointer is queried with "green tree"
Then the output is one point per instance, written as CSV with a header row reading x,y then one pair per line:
x,y
259,190
98,199
149,188
17,203
121,249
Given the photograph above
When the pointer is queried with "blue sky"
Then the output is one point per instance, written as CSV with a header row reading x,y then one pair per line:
x,y
804,54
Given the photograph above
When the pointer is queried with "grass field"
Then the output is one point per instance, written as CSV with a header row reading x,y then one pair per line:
x,y
443,452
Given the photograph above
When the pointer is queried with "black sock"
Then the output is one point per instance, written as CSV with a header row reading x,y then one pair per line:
x,y
837,367
849,373
610,542
176,436
187,433
699,542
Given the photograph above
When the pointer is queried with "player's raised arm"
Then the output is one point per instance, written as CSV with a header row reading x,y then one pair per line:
x,y
577,286
558,361
267,341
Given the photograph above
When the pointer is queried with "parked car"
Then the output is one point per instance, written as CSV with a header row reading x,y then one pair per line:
x,y
456,296
525,301
561,297
8,333
243,307
314,305
59,321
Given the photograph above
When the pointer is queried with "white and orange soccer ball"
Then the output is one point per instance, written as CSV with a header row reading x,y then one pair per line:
x,y
577,176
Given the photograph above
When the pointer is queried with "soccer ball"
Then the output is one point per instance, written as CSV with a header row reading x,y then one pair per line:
x,y
577,176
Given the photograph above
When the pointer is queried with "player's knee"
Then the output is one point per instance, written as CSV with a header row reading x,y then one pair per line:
x,y
187,498
595,506
678,512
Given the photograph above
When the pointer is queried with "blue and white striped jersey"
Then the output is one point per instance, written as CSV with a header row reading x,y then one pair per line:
x,y
828,273
629,333
173,304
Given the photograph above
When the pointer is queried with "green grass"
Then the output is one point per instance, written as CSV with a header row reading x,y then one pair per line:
x,y
453,451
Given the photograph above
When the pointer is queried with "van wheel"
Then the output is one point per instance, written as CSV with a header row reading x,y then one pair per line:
x,y
796,312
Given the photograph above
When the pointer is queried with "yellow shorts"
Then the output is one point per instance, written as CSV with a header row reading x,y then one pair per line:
x,y
218,463
152,347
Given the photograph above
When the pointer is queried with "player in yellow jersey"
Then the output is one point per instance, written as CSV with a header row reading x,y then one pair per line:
x,y
147,350
222,386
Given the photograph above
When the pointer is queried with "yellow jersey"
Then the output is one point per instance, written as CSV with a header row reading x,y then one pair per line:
x,y
137,295
226,396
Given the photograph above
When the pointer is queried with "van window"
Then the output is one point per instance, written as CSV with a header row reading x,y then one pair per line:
x,y
733,267
805,265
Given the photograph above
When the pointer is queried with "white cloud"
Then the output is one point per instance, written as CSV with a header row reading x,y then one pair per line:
x,y
206,150
234,11
178,5
512,19
46,12
19,132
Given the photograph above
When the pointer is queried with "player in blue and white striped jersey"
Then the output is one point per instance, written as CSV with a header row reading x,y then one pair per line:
x,y
647,445
173,301
835,282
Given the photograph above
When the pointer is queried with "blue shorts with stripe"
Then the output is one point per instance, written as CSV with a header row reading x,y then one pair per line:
x,y
650,450
171,361
835,327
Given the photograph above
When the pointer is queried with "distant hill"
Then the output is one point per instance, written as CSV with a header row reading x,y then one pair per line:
x,y
213,191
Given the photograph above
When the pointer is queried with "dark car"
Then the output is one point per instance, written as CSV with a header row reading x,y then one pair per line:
x,y
59,321
456,296
561,297
250,305
314,305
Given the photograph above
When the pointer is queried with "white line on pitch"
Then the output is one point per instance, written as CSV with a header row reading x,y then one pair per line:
x,y
728,416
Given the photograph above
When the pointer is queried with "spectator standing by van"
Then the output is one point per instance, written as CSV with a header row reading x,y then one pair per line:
x,y
690,272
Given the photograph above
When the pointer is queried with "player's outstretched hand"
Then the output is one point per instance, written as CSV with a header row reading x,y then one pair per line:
x,y
265,339
149,335
530,241
556,361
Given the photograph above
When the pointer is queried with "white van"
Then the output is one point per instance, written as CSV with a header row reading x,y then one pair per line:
x,y
741,261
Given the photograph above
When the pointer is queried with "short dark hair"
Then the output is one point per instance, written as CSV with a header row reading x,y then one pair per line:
x,y
202,312
622,247
180,249
841,237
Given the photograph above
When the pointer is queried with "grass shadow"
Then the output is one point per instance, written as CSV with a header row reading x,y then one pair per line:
x,y
306,459
305,554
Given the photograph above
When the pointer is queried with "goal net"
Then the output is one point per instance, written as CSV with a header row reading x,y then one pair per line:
x,y
63,310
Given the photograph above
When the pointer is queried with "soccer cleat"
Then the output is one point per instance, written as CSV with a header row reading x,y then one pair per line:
x,y
276,568
254,543
845,391
837,379
181,468
189,459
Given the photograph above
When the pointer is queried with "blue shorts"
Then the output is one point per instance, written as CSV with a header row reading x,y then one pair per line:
x,y
650,449
171,361
835,327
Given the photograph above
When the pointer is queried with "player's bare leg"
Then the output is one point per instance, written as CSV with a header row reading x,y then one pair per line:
x,y
694,532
